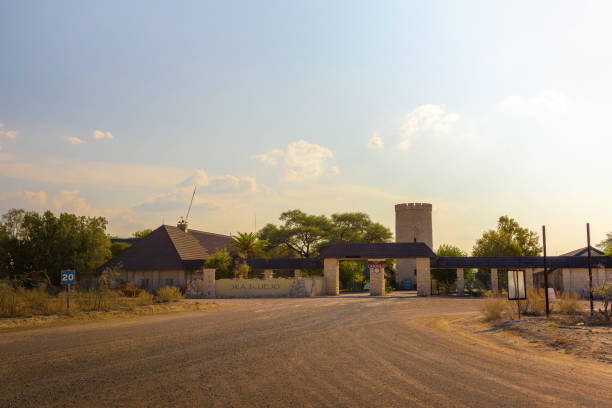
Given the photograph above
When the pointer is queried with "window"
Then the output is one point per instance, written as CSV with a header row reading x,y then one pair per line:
x,y
169,282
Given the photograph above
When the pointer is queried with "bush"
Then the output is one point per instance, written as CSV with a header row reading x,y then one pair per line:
x,y
144,298
568,303
535,304
388,289
130,290
169,294
496,308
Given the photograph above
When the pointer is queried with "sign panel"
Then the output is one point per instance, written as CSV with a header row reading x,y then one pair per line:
x,y
516,285
68,277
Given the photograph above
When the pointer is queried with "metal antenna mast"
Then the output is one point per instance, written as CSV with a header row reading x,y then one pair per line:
x,y
190,203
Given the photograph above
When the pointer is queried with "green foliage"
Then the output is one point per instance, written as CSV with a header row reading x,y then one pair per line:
x,y
509,239
305,235
221,261
118,247
38,246
356,228
301,233
241,271
247,245
606,244
446,278
142,234
169,294
351,272
605,293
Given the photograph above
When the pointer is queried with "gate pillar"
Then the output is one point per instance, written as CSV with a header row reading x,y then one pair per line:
x,y
460,282
494,281
377,276
423,277
332,275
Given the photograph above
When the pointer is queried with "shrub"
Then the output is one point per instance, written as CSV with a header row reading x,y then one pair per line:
x,y
144,298
130,290
169,294
388,289
496,308
568,303
605,293
535,304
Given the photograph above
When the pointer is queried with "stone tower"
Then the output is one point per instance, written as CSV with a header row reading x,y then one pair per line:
x,y
412,224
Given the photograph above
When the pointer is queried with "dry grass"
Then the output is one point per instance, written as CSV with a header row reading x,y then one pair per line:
x,y
169,294
17,301
535,304
568,303
496,308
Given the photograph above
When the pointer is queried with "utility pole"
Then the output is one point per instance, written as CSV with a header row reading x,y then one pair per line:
x,y
590,269
545,269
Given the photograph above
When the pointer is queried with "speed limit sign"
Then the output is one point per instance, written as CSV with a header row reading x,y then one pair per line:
x,y
68,277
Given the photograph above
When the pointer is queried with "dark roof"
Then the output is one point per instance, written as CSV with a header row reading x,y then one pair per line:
x,y
583,252
504,262
210,241
396,250
285,263
168,248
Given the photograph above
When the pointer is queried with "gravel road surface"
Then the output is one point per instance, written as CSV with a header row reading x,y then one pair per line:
x,y
353,350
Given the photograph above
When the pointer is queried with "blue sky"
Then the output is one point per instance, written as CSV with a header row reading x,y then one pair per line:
x,y
481,108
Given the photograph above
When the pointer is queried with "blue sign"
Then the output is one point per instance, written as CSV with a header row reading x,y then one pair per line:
x,y
68,277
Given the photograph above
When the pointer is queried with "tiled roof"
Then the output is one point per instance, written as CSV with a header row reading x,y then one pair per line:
x,y
212,242
583,252
169,248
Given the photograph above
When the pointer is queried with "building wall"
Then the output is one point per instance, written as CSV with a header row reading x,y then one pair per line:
x,y
413,223
577,280
154,280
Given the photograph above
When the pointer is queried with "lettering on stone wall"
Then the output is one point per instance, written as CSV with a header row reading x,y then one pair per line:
x,y
255,285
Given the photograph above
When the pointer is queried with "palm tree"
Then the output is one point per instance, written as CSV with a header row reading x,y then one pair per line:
x,y
247,245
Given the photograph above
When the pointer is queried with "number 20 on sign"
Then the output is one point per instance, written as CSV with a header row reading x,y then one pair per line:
x,y
68,277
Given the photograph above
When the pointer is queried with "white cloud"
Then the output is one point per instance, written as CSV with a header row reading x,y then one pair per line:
x,y
98,135
271,158
302,161
232,184
426,118
334,170
75,140
550,103
11,134
375,142
198,178
63,201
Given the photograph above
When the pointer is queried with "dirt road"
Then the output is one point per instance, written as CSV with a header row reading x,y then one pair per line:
x,y
345,351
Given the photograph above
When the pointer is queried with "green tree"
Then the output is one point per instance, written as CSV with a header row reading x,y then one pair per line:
x,y
46,244
300,233
509,239
305,235
118,247
247,245
142,234
447,277
606,244
357,228
351,272
222,262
